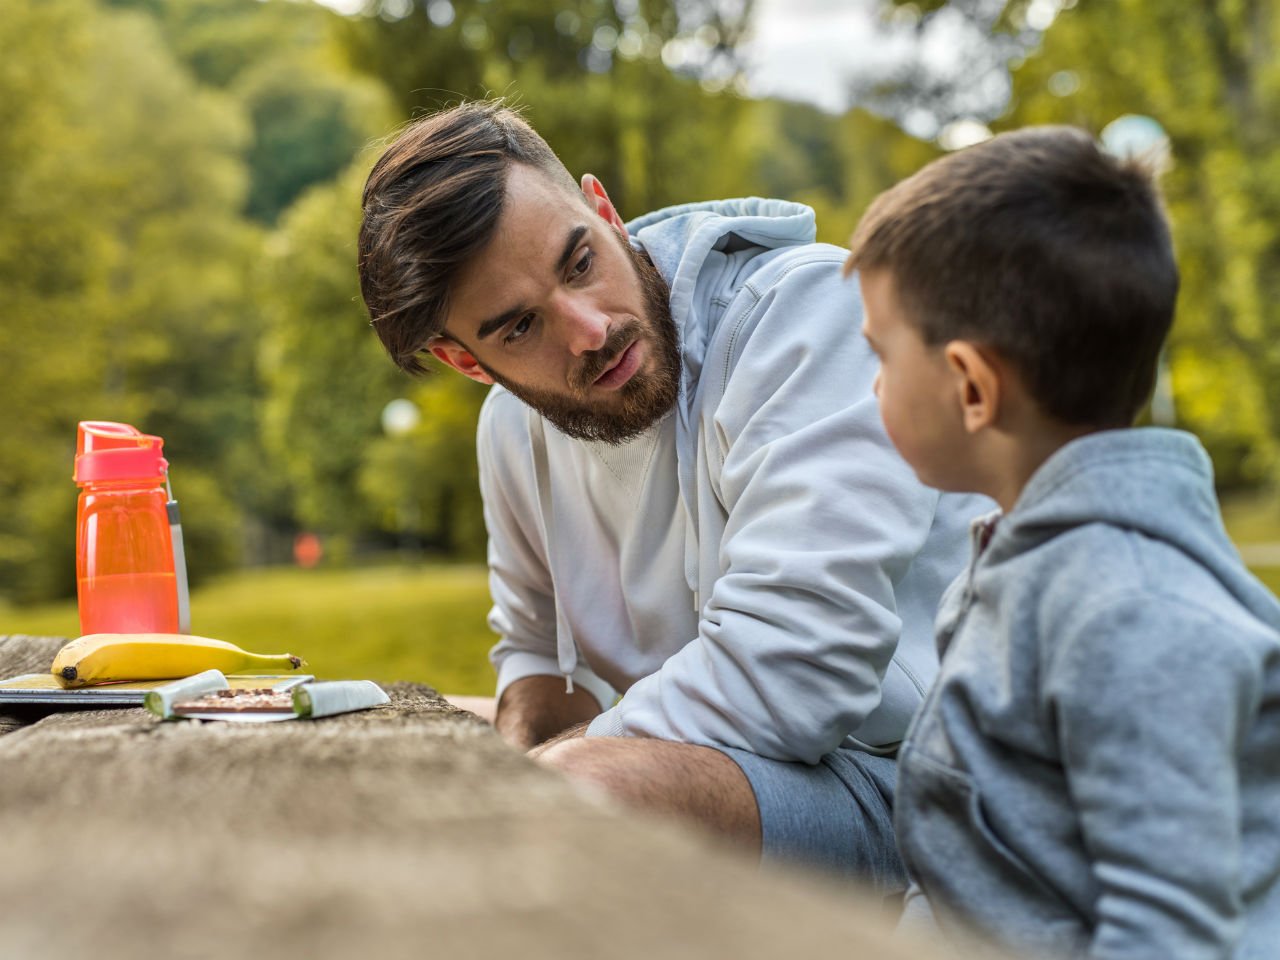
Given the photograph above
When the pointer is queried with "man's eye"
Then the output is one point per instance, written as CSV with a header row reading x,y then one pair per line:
x,y
519,328
583,264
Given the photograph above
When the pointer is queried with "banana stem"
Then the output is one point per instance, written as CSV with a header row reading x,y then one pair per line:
x,y
283,661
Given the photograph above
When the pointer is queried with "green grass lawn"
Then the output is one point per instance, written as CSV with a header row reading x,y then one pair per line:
x,y
1271,577
399,622
1254,518
424,623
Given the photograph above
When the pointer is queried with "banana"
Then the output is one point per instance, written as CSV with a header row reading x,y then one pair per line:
x,y
107,657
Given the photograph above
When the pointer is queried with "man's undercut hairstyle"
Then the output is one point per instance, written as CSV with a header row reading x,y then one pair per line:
x,y
432,203
1048,250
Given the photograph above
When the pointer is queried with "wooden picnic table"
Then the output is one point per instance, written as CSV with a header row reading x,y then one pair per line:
x,y
408,830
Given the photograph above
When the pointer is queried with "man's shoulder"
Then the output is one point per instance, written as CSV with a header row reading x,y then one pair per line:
x,y
807,276
797,266
819,256
797,299
504,418
501,407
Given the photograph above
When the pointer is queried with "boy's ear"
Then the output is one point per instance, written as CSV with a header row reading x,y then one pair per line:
x,y
599,201
453,354
978,383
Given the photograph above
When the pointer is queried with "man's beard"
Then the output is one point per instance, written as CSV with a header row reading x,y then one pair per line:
x,y
644,398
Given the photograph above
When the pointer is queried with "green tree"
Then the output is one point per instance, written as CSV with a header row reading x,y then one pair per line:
x,y
309,113
429,51
326,377
219,40
837,165
425,484
1208,73
120,253
638,93
308,125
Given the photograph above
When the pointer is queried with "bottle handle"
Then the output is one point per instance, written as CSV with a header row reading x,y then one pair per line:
x,y
179,558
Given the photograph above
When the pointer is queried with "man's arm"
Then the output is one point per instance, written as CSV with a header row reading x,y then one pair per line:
x,y
532,703
535,709
822,520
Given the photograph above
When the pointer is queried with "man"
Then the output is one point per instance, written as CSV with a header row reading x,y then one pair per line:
x,y
689,495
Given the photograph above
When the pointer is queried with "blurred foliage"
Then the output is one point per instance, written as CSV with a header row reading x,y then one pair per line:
x,y
326,379
308,125
634,92
953,65
179,202
307,116
121,255
424,483
462,47
1209,75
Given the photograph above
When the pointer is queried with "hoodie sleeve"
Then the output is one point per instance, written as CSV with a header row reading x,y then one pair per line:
x,y
1150,730
523,613
822,519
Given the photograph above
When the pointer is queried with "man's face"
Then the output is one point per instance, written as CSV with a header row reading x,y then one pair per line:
x,y
915,387
561,311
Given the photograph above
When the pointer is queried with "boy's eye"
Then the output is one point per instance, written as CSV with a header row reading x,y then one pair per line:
x,y
519,328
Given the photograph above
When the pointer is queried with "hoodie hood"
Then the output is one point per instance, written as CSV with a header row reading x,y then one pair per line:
x,y
706,252
679,238
682,242
1152,481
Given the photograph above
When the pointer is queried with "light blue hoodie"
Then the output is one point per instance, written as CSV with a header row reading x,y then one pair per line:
x,y
1097,771
781,601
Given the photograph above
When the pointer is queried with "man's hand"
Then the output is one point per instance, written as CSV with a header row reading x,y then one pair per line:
x,y
534,709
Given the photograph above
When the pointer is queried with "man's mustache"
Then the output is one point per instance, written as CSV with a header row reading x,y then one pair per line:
x,y
598,361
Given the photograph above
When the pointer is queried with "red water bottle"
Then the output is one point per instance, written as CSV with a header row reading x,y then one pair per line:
x,y
126,573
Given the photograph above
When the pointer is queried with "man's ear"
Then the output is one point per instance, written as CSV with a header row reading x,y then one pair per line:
x,y
453,354
593,190
978,383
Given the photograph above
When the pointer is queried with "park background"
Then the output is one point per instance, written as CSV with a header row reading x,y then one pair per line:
x,y
179,201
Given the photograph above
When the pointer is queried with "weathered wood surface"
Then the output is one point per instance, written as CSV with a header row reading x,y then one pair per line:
x,y
410,830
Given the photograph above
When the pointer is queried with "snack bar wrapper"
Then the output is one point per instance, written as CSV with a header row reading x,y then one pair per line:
x,y
337,696
161,700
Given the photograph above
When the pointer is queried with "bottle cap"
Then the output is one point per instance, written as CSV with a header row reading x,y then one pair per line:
x,y
117,451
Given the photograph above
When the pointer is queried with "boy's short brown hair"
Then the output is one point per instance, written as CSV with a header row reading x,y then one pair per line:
x,y
1041,246
431,204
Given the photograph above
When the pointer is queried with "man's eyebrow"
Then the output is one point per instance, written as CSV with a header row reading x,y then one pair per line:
x,y
575,238
497,323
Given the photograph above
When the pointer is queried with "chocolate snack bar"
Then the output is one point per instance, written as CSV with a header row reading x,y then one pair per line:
x,y
260,700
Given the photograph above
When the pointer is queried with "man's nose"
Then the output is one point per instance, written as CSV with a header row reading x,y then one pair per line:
x,y
585,326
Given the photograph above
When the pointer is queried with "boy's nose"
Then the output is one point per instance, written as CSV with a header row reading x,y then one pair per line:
x,y
875,385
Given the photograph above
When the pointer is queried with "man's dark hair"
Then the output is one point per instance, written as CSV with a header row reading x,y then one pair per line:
x,y
431,203
1041,246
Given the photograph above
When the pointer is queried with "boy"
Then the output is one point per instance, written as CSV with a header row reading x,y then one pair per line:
x,y
1097,769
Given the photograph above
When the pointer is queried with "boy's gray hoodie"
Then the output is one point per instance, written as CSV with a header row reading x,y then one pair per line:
x,y
1097,771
